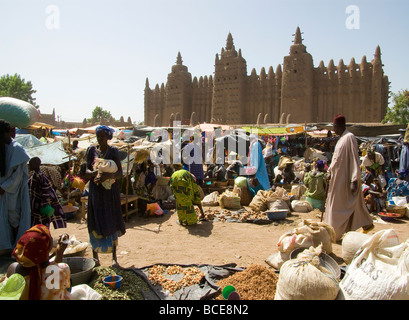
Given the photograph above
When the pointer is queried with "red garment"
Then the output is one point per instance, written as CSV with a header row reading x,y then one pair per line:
x,y
32,250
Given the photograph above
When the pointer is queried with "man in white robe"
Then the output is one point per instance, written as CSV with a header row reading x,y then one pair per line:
x,y
345,208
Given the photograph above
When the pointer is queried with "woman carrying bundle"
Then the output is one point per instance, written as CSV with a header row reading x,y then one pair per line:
x,y
104,217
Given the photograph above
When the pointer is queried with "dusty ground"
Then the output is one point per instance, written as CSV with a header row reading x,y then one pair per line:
x,y
162,240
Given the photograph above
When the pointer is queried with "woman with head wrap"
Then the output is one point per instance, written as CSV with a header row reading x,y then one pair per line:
x,y
15,214
104,216
187,194
373,161
256,162
45,280
316,181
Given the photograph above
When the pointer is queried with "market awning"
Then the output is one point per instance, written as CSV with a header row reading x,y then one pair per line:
x,y
49,153
275,130
38,125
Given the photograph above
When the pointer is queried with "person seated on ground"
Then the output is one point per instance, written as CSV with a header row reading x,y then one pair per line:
x,y
397,187
374,194
219,172
34,264
233,170
209,171
316,182
253,185
373,162
287,174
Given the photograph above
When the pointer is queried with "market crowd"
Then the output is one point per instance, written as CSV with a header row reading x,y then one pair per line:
x,y
347,179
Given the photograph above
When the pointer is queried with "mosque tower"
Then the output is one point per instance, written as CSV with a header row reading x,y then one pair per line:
x,y
178,93
229,85
297,83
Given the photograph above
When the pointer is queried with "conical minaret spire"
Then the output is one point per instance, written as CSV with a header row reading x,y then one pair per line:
x,y
179,59
297,36
229,42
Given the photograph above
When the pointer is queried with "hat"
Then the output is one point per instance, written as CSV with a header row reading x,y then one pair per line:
x,y
320,164
339,120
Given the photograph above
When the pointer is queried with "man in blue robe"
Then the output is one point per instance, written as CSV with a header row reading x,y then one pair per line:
x,y
15,212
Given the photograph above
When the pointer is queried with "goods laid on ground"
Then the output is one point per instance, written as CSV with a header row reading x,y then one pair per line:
x,y
306,278
243,215
158,275
132,286
309,233
254,283
379,271
18,113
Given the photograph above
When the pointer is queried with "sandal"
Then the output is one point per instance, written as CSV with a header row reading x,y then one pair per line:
x,y
367,229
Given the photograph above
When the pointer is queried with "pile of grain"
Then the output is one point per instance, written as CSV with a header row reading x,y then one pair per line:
x,y
254,283
130,289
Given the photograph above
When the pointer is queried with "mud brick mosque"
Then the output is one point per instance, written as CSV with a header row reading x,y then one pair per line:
x,y
297,92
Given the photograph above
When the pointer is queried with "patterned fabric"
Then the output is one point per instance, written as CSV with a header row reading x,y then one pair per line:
x,y
397,188
41,194
50,289
186,193
53,173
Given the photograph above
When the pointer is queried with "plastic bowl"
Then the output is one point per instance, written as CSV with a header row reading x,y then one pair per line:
x,y
113,282
227,290
389,216
277,215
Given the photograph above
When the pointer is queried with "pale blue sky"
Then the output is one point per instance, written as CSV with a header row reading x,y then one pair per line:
x,y
102,51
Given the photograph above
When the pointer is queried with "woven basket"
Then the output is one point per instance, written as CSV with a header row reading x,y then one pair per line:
x,y
401,210
245,196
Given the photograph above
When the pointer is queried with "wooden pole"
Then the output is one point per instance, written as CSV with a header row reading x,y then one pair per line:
x,y
127,183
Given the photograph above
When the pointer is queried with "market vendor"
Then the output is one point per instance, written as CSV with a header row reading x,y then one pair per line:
x,y
374,193
316,181
373,161
398,187
285,171
32,255
233,170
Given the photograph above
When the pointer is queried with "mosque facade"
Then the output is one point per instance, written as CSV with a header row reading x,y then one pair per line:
x,y
294,92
